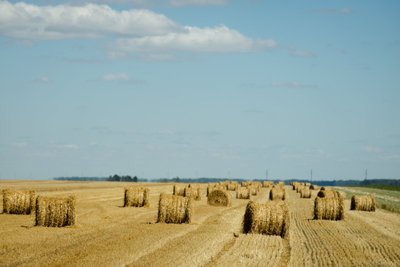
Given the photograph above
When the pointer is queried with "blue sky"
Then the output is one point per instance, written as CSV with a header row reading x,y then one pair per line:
x,y
200,88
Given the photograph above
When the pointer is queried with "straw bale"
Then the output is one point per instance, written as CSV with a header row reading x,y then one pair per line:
x,y
136,197
219,198
174,209
178,190
243,193
365,203
305,192
277,193
329,205
272,218
192,192
18,201
55,211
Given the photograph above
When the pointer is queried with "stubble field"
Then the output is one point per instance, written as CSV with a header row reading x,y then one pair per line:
x,y
107,234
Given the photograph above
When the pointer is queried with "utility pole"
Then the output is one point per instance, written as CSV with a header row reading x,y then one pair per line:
x,y
366,174
311,175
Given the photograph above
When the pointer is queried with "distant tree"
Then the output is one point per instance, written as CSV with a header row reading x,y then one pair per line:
x,y
135,179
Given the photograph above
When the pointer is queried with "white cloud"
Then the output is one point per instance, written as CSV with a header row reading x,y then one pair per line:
x,y
68,146
43,79
219,39
137,31
372,149
26,21
179,3
110,77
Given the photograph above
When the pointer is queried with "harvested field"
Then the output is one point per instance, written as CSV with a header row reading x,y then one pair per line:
x,y
106,234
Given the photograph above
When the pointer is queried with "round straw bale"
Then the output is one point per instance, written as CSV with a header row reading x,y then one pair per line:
x,y
330,207
18,202
174,209
55,211
219,198
136,197
365,203
211,187
178,190
271,218
192,192
243,193
232,186
305,192
277,193
253,190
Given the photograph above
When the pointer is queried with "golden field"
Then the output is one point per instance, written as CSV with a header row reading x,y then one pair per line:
x,y
107,234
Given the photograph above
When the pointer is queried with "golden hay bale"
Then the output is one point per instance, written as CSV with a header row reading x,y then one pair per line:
x,y
267,184
174,209
136,197
192,192
211,187
329,206
219,198
243,193
178,191
272,218
365,203
55,211
277,193
18,202
299,188
253,190
232,186
305,192
295,185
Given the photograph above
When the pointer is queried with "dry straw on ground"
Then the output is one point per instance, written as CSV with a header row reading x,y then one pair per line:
x,y
243,193
55,211
178,190
365,203
272,218
136,197
277,193
18,202
192,192
174,209
305,192
329,205
219,198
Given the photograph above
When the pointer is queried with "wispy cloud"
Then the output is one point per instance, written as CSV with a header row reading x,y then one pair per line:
x,y
372,149
111,77
67,146
293,51
42,80
179,3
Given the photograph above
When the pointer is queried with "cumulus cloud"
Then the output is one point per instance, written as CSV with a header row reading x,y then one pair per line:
x,y
180,3
136,31
219,39
26,21
110,77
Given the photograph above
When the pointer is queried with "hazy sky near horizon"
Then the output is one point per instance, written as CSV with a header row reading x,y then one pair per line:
x,y
200,88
